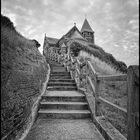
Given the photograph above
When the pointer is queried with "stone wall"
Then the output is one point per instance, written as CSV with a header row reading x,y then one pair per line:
x,y
23,72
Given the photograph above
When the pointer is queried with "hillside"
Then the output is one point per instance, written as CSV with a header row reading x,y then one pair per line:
x,y
100,66
77,45
23,72
113,91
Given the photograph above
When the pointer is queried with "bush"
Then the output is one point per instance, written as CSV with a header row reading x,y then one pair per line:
x,y
36,43
97,51
5,21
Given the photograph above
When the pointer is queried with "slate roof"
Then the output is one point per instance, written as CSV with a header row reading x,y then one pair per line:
x,y
70,33
86,27
51,40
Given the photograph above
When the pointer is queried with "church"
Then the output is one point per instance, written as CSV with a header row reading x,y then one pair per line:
x,y
85,36
75,42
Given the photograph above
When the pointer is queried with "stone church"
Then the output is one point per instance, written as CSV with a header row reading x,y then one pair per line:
x,y
84,37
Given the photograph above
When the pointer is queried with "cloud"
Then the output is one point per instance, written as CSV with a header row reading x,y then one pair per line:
x,y
12,16
115,22
45,2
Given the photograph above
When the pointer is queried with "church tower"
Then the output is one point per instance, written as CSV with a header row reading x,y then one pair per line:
x,y
87,31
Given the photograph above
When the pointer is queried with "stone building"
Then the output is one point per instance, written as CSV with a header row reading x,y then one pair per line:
x,y
62,45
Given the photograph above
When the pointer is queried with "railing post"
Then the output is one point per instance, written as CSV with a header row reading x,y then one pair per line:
x,y
79,74
133,102
73,68
83,75
87,73
58,57
97,103
55,57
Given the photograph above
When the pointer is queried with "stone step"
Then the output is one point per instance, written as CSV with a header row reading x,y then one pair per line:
x,y
59,70
60,77
61,88
62,80
63,98
63,93
61,84
64,105
56,64
57,67
63,114
60,73
57,73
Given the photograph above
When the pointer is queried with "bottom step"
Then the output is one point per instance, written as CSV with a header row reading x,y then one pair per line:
x,y
64,114
62,88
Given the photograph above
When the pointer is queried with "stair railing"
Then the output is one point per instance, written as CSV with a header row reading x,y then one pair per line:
x,y
86,76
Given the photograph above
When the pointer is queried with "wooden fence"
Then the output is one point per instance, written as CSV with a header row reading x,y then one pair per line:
x,y
133,102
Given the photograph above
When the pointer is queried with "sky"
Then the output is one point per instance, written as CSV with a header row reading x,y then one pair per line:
x,y
115,22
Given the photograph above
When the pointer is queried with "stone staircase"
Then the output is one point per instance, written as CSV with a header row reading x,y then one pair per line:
x,y
62,99
63,111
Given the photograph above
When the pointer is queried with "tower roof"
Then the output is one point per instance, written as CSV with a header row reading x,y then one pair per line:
x,y
86,27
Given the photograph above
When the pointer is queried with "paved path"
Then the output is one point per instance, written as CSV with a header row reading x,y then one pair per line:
x,y
64,129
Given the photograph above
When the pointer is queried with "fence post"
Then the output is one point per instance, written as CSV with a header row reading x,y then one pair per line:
x,y
97,103
57,57
87,74
133,102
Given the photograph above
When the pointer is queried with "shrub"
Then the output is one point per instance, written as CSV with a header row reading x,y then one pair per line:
x,y
100,53
5,21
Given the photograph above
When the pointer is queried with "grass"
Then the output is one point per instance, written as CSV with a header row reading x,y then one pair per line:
x,y
23,70
100,66
113,91
96,51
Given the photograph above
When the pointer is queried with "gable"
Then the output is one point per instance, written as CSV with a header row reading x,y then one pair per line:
x,y
51,40
73,33
76,34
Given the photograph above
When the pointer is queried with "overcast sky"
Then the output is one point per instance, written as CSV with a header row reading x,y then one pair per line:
x,y
115,22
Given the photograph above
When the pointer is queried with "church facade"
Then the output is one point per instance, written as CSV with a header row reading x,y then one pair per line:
x,y
62,45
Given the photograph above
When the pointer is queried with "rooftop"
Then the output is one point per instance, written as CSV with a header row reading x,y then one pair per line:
x,y
86,27
51,40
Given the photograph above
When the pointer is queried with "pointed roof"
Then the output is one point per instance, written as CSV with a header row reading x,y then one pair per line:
x,y
73,33
86,27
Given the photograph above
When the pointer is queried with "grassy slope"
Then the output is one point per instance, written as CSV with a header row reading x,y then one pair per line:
x,y
23,70
113,91
98,52
100,66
